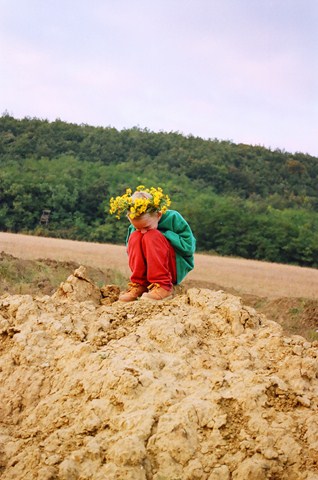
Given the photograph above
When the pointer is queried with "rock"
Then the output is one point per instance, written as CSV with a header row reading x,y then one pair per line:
x,y
78,287
110,294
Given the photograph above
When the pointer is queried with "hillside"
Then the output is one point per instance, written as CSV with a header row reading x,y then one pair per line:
x,y
198,387
240,200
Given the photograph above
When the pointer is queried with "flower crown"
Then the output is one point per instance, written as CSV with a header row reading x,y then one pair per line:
x,y
143,200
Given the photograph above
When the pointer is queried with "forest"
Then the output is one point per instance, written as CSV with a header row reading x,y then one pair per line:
x,y
240,200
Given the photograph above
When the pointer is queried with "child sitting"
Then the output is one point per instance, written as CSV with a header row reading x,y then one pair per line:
x,y
160,244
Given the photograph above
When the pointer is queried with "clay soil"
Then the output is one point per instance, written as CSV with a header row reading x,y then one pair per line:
x,y
198,387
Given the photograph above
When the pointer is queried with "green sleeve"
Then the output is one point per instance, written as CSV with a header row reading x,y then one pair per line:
x,y
175,228
130,230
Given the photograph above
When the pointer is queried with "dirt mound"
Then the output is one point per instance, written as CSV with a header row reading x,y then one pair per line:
x,y
198,387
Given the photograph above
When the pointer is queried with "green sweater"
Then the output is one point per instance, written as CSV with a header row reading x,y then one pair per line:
x,y
174,227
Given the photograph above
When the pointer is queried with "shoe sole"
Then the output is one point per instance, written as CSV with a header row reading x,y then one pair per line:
x,y
148,299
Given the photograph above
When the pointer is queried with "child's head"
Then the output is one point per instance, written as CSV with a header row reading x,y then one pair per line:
x,y
145,221
142,201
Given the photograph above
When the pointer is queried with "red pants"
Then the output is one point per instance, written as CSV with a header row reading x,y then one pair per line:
x,y
152,259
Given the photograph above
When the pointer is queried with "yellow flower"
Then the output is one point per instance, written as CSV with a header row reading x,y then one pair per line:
x,y
134,205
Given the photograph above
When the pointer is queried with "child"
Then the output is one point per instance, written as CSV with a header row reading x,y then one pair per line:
x,y
160,244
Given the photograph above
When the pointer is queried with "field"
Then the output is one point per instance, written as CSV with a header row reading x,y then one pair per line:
x,y
285,293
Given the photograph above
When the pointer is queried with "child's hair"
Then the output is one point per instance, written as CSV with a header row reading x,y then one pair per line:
x,y
141,194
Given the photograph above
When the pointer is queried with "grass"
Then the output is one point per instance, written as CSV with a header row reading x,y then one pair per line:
x,y
18,276
312,335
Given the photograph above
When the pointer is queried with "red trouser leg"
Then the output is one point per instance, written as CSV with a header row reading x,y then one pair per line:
x,y
152,259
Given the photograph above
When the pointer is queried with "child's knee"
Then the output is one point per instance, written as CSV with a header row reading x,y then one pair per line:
x,y
134,238
154,237
152,234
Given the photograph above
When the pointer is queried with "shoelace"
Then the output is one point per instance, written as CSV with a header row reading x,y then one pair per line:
x,y
131,286
152,286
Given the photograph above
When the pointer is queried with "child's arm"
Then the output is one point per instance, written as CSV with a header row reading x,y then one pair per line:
x,y
130,230
178,232
182,242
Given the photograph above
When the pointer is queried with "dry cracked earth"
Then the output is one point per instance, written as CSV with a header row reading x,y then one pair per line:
x,y
199,387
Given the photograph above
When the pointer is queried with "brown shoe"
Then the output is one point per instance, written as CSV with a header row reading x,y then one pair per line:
x,y
157,293
134,291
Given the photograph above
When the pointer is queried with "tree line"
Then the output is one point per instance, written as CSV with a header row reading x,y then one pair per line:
x,y
240,200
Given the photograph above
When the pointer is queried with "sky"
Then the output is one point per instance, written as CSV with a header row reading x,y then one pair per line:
x,y
244,71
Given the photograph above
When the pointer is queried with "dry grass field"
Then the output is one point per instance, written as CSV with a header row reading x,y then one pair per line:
x,y
245,277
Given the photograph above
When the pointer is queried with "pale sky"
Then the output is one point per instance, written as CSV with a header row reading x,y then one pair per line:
x,y
238,70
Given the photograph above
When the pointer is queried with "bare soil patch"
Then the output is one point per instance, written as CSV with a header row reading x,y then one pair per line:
x,y
197,387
